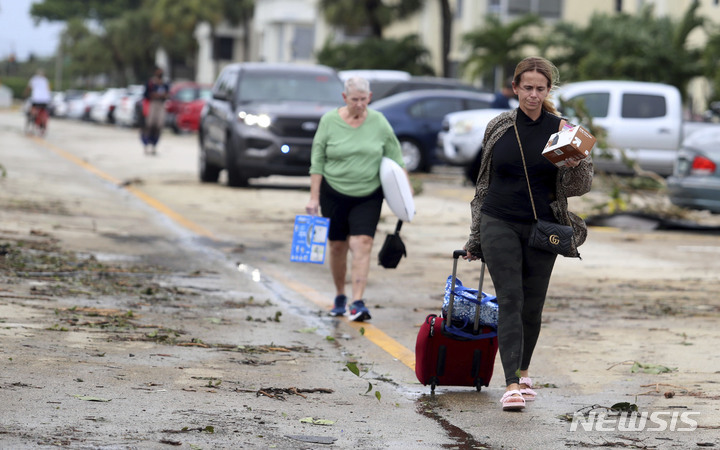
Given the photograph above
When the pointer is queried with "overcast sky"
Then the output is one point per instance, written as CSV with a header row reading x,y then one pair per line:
x,y
19,35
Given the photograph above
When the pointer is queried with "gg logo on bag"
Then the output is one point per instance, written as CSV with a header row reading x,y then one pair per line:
x,y
554,239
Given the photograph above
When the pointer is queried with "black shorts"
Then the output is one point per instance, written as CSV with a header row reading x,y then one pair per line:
x,y
350,216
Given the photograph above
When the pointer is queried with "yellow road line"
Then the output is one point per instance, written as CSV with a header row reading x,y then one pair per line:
x,y
178,218
74,159
372,333
155,204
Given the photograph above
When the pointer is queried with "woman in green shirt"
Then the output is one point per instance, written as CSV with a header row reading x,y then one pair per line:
x,y
345,184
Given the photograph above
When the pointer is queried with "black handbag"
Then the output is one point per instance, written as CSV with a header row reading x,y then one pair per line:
x,y
393,249
545,235
552,237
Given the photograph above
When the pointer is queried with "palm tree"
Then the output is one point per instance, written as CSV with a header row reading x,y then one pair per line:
x,y
497,47
635,47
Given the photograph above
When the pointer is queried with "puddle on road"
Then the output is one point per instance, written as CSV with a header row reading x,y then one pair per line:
x,y
426,406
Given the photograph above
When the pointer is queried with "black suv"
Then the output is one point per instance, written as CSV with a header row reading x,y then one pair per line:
x,y
262,118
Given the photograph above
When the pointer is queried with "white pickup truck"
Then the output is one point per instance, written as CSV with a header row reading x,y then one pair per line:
x,y
643,119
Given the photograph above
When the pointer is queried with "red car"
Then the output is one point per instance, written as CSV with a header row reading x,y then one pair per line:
x,y
184,105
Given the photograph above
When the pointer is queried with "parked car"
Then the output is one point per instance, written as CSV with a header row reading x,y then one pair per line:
x,y
61,102
56,108
382,88
262,118
184,105
416,117
695,182
79,107
373,75
127,113
460,141
103,111
643,120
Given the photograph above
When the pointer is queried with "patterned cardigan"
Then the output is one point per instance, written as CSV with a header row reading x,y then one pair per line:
x,y
570,182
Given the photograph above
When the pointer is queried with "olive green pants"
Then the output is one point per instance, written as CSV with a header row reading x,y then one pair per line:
x,y
520,276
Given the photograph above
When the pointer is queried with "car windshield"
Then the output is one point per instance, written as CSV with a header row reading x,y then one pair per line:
x,y
289,86
205,94
187,94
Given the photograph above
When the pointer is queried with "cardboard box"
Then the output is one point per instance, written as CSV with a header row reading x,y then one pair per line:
x,y
570,143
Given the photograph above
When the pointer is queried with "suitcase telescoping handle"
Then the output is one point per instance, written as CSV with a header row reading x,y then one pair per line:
x,y
456,255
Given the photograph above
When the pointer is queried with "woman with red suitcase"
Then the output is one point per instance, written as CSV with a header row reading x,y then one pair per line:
x,y
513,169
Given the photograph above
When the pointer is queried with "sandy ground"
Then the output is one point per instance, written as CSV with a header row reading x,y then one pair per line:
x,y
123,328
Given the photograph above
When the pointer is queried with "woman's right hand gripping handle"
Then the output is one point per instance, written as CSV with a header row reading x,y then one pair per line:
x,y
469,256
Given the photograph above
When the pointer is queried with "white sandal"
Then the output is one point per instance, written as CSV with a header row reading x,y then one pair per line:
x,y
512,401
527,393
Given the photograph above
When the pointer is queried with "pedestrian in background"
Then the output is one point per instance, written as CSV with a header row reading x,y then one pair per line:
x,y
502,98
502,217
347,149
156,92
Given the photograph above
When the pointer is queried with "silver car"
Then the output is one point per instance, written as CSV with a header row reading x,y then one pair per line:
x,y
695,182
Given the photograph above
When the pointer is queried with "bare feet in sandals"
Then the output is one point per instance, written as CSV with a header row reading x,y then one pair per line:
x,y
526,390
512,400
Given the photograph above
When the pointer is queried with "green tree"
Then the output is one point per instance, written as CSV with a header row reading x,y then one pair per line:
x,y
635,47
496,48
374,53
83,50
131,43
176,20
711,58
64,10
131,31
354,16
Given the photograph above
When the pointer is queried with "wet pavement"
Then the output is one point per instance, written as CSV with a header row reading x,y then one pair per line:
x,y
152,311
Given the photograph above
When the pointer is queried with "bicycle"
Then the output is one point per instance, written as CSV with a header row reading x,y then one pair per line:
x,y
37,119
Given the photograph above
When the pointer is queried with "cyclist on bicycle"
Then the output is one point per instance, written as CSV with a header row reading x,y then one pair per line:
x,y
40,96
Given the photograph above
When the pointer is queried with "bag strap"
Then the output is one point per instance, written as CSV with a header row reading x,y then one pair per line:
x,y
527,178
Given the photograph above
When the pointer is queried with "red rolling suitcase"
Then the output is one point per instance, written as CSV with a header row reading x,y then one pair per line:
x,y
445,358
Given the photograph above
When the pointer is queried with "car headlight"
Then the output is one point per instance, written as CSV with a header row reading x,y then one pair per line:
x,y
255,120
461,127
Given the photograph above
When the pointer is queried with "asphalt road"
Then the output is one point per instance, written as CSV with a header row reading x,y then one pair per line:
x,y
151,310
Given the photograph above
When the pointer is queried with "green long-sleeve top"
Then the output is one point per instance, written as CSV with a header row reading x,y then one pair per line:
x,y
349,158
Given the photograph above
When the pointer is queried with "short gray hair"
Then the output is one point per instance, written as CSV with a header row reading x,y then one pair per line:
x,y
356,84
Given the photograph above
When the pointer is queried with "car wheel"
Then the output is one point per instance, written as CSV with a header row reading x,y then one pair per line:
x,y
209,173
172,122
235,176
412,155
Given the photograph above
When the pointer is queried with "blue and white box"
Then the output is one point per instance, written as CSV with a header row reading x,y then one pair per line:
x,y
309,242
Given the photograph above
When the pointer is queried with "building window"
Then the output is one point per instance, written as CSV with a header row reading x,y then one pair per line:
x,y
459,9
303,41
519,7
618,5
549,9
223,48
